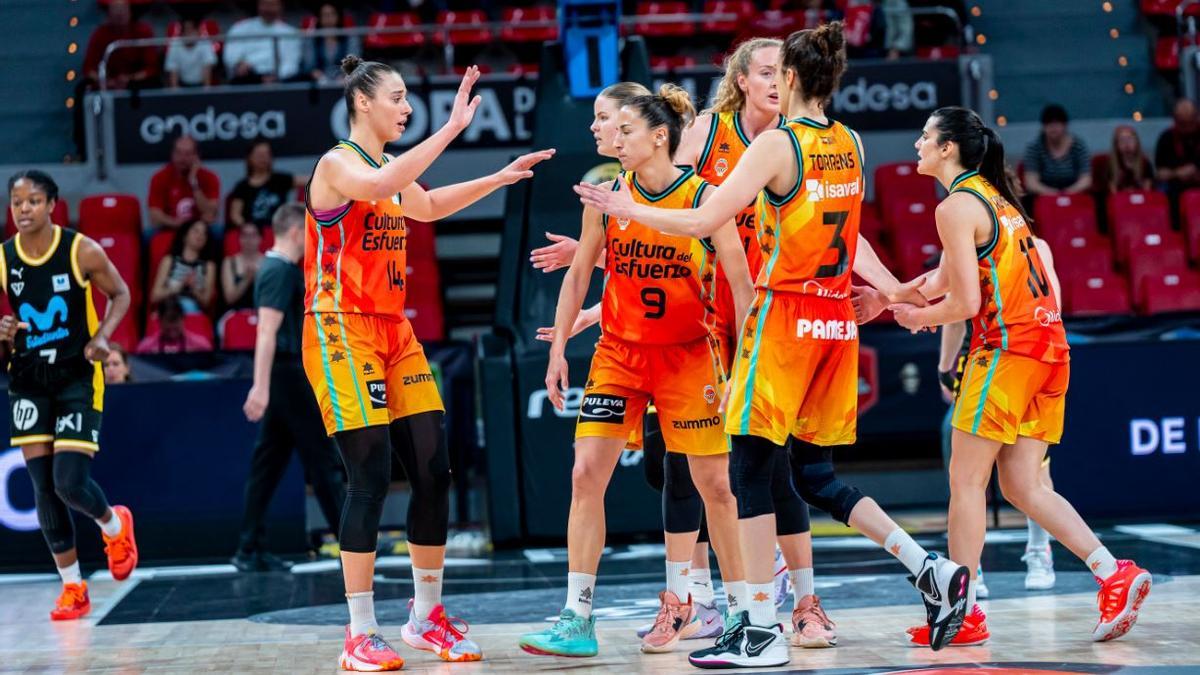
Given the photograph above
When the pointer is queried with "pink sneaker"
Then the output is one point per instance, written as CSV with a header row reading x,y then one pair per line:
x,y
673,623
811,627
440,634
369,653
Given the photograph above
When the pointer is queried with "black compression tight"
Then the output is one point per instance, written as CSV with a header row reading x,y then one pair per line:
x,y
419,443
52,513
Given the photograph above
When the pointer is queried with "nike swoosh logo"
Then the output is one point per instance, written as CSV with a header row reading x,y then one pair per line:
x,y
754,648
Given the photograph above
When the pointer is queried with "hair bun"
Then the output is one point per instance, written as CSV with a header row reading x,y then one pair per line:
x,y
830,38
350,62
678,100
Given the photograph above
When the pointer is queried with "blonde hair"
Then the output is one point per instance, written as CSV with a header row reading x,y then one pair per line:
x,y
730,97
622,92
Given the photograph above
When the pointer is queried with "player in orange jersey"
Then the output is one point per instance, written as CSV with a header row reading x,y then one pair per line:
x,y
1012,397
795,373
372,382
657,316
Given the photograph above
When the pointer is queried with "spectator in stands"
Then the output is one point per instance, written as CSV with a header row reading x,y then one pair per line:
x,y
1057,162
238,270
190,58
251,46
183,190
323,59
131,67
255,197
188,274
1177,154
898,31
172,336
116,365
1128,166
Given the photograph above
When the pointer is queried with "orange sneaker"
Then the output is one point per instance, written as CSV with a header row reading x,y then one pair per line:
x,y
1120,598
122,549
73,603
974,631
368,653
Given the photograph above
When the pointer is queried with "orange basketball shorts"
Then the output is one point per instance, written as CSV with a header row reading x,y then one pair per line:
x,y
366,370
1005,395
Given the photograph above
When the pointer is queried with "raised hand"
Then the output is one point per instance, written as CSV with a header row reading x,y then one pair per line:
x,y
522,167
556,255
464,106
617,203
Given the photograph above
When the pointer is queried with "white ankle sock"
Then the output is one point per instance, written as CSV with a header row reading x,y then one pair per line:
x,y
908,552
113,527
427,591
700,585
737,597
802,584
972,586
362,612
762,604
1039,538
678,579
1102,563
71,574
580,589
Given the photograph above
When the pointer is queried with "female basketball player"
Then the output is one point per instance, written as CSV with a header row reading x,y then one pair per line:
x,y
370,376
796,370
656,343
1011,401
56,348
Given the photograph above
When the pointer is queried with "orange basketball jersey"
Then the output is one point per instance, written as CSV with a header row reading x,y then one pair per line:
x,y
808,236
724,148
658,288
354,255
1017,310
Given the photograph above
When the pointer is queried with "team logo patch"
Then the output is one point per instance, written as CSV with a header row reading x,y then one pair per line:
x,y
602,408
60,283
69,422
377,391
721,166
710,394
24,414
622,223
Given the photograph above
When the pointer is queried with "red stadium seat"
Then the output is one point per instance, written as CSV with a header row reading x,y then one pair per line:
x,y
1076,213
110,214
900,182
463,28
1171,292
1166,8
741,9
1081,257
160,246
939,52
515,15
423,303
1133,213
238,329
1154,255
870,226
857,22
908,220
208,29
59,216
1189,207
380,20
1166,53
772,23
125,251
1098,295
913,257
310,22
655,8
666,63
421,244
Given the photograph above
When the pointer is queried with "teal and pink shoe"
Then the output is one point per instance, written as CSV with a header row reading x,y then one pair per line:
x,y
571,635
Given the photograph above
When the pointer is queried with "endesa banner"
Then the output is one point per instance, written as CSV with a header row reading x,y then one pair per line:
x,y
305,120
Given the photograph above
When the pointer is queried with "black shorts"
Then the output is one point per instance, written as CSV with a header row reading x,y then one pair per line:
x,y
67,415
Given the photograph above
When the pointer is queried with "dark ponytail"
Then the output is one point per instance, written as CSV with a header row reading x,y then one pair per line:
x,y
979,148
362,76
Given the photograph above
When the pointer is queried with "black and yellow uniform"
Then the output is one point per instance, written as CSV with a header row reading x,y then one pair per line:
x,y
57,395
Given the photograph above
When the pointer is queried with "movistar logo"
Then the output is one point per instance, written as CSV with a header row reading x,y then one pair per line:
x,y
42,322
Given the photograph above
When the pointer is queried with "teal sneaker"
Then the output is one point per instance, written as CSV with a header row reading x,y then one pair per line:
x,y
571,635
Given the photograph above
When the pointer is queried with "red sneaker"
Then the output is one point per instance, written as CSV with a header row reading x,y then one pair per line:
x,y
440,634
122,549
73,603
974,631
368,653
1120,598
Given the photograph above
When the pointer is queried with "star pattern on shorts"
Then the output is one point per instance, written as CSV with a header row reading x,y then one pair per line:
x,y
330,320
337,357
328,268
332,337
327,286
368,369
332,249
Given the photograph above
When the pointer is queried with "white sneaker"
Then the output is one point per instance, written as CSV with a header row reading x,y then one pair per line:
x,y
1039,569
745,646
943,586
981,589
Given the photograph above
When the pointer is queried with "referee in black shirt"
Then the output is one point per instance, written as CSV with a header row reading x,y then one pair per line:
x,y
282,398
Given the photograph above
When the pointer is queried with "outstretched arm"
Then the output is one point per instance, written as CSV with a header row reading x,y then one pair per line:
x,y
433,205
752,173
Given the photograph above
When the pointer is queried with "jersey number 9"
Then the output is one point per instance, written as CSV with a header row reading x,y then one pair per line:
x,y
655,299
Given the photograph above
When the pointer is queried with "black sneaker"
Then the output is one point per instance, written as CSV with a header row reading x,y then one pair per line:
x,y
245,561
744,645
272,563
943,586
